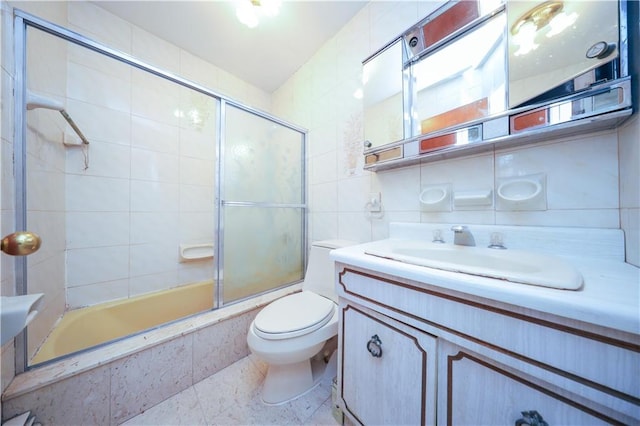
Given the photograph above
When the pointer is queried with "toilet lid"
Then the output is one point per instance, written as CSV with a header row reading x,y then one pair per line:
x,y
293,315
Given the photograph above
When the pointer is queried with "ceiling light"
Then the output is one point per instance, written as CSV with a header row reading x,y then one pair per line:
x,y
249,12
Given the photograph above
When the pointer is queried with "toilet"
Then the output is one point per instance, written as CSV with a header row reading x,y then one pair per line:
x,y
296,335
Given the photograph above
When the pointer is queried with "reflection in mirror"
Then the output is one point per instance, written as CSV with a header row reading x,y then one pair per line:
x,y
462,82
382,97
553,42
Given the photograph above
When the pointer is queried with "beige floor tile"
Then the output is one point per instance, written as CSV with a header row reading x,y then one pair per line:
x,y
182,409
232,397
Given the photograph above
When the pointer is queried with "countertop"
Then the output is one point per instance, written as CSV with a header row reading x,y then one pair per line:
x,y
609,297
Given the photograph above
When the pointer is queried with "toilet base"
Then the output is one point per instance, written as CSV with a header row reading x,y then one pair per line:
x,y
284,383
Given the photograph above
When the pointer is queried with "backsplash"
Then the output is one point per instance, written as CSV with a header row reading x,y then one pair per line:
x,y
591,180
580,243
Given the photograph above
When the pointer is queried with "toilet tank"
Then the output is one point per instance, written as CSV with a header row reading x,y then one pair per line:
x,y
319,277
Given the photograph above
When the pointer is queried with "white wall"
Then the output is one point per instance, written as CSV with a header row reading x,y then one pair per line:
x,y
592,179
629,154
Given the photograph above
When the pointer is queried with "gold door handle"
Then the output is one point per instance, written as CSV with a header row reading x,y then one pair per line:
x,y
20,243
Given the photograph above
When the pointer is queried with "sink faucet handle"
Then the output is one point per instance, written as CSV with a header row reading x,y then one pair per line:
x,y
497,241
437,236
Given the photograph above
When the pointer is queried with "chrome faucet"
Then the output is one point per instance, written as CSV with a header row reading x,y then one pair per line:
x,y
462,236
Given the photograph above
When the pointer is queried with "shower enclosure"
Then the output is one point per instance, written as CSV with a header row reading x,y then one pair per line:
x,y
173,185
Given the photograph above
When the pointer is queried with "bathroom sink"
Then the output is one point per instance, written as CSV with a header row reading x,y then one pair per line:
x,y
511,265
16,312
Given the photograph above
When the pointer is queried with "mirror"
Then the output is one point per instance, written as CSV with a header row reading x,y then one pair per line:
x,y
383,97
462,82
553,42
495,71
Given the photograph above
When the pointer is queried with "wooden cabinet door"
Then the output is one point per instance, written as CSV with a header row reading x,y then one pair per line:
x,y
474,390
387,370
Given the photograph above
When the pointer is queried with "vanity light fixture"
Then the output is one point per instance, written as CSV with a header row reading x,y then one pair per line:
x,y
537,17
549,15
249,12
561,22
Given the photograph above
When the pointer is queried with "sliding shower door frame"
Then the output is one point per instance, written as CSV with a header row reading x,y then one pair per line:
x,y
24,20
222,201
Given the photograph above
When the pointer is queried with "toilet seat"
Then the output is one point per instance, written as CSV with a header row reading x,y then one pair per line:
x,y
293,316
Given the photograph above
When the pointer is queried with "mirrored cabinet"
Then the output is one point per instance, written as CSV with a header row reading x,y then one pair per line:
x,y
474,74
383,96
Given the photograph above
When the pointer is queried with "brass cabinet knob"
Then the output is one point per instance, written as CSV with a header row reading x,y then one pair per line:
x,y
532,418
374,346
20,243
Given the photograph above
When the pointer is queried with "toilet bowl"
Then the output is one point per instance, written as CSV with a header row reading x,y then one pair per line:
x,y
295,334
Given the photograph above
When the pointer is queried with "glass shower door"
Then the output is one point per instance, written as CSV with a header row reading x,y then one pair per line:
x,y
261,204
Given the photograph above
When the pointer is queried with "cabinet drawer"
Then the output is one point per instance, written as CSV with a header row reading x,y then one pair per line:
x,y
467,401
387,370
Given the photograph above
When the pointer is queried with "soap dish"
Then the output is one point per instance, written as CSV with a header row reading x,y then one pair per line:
x,y
522,193
436,198
473,199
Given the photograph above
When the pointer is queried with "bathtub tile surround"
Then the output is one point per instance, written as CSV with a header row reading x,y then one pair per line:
x,y
230,335
138,384
138,372
81,399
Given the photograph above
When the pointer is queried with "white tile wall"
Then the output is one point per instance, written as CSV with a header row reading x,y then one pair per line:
x,y
153,50
99,88
592,179
104,291
100,25
46,162
154,135
149,184
107,125
581,172
155,195
629,154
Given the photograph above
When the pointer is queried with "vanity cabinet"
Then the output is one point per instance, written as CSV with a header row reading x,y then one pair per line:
x,y
389,369
449,358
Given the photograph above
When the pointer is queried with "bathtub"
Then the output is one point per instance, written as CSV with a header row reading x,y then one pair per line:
x,y
114,382
88,327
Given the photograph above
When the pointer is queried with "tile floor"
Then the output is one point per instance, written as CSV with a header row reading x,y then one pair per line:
x,y
232,397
